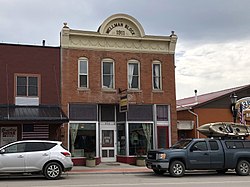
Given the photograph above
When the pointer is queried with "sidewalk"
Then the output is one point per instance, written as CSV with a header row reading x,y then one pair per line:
x,y
113,167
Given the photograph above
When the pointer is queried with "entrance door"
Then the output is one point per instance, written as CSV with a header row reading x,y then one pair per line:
x,y
108,143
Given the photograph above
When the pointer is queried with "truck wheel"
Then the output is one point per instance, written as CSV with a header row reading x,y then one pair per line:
x,y
243,168
177,169
159,172
52,170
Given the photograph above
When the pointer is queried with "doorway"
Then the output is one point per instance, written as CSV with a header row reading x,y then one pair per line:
x,y
108,143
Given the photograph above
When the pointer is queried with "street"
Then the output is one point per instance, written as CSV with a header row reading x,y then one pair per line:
x,y
206,179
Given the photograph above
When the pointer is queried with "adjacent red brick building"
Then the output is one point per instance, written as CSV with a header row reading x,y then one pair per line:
x,y
118,89
30,93
195,111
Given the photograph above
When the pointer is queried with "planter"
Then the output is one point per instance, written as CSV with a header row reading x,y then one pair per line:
x,y
90,163
140,162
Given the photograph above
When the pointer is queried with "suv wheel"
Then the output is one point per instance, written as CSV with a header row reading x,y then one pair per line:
x,y
243,168
159,172
177,168
52,170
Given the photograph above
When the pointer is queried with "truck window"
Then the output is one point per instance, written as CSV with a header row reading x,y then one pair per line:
x,y
182,144
234,144
239,145
213,145
199,146
246,144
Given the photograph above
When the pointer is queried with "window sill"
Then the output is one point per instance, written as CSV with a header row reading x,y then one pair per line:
x,y
158,91
136,91
83,89
112,90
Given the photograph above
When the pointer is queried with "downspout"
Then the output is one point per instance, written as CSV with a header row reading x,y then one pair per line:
x,y
197,122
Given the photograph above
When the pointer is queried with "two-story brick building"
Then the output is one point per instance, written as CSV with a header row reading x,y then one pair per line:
x,y
117,65
30,93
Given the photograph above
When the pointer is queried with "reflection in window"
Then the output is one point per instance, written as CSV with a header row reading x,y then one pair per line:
x,y
83,139
27,86
16,148
121,139
140,138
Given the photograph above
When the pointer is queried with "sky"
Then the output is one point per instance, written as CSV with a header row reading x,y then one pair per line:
x,y
212,51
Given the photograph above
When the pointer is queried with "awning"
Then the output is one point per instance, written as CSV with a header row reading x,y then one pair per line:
x,y
32,114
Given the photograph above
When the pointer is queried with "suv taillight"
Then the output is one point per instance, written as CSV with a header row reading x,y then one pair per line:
x,y
67,154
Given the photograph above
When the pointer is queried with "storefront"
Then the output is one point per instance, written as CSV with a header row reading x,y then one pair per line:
x,y
103,132
30,122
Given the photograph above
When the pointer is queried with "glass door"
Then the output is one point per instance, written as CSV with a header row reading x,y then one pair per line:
x,y
108,143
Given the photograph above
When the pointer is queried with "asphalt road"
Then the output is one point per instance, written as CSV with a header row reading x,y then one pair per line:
x,y
204,179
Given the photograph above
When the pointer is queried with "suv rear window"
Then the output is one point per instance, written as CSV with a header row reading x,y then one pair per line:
x,y
49,145
38,146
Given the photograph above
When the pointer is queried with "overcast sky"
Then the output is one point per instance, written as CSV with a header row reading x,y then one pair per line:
x,y
213,47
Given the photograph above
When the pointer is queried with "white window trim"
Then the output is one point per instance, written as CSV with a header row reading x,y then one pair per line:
x,y
79,73
139,74
156,62
108,60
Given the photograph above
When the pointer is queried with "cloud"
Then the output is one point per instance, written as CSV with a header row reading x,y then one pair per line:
x,y
212,67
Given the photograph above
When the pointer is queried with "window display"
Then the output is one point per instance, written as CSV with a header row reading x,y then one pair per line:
x,y
121,139
83,139
140,138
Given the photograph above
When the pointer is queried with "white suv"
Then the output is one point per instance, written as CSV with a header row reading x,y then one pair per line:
x,y
35,156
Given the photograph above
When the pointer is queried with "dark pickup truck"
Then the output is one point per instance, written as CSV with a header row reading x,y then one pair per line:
x,y
201,154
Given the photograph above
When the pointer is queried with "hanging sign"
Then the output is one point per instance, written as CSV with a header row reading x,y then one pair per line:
x,y
124,103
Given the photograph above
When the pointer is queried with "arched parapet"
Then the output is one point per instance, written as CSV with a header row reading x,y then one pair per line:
x,y
121,25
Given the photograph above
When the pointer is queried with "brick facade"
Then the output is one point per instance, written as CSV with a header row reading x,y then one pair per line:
x,y
96,46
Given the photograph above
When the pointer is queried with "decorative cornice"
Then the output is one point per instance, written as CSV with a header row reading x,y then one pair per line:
x,y
127,42
95,41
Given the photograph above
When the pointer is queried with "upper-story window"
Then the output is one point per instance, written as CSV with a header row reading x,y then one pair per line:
x,y
133,74
83,73
156,74
108,74
27,89
27,86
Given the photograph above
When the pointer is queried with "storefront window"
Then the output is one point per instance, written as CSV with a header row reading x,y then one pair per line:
x,y
83,139
140,138
121,139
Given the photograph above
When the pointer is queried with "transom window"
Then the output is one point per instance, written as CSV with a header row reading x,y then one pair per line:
x,y
133,75
83,73
27,86
162,112
108,74
157,76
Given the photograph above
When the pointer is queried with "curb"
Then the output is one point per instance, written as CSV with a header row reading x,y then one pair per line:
x,y
108,171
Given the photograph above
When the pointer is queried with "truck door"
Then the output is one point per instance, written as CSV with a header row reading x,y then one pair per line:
x,y
216,155
198,156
